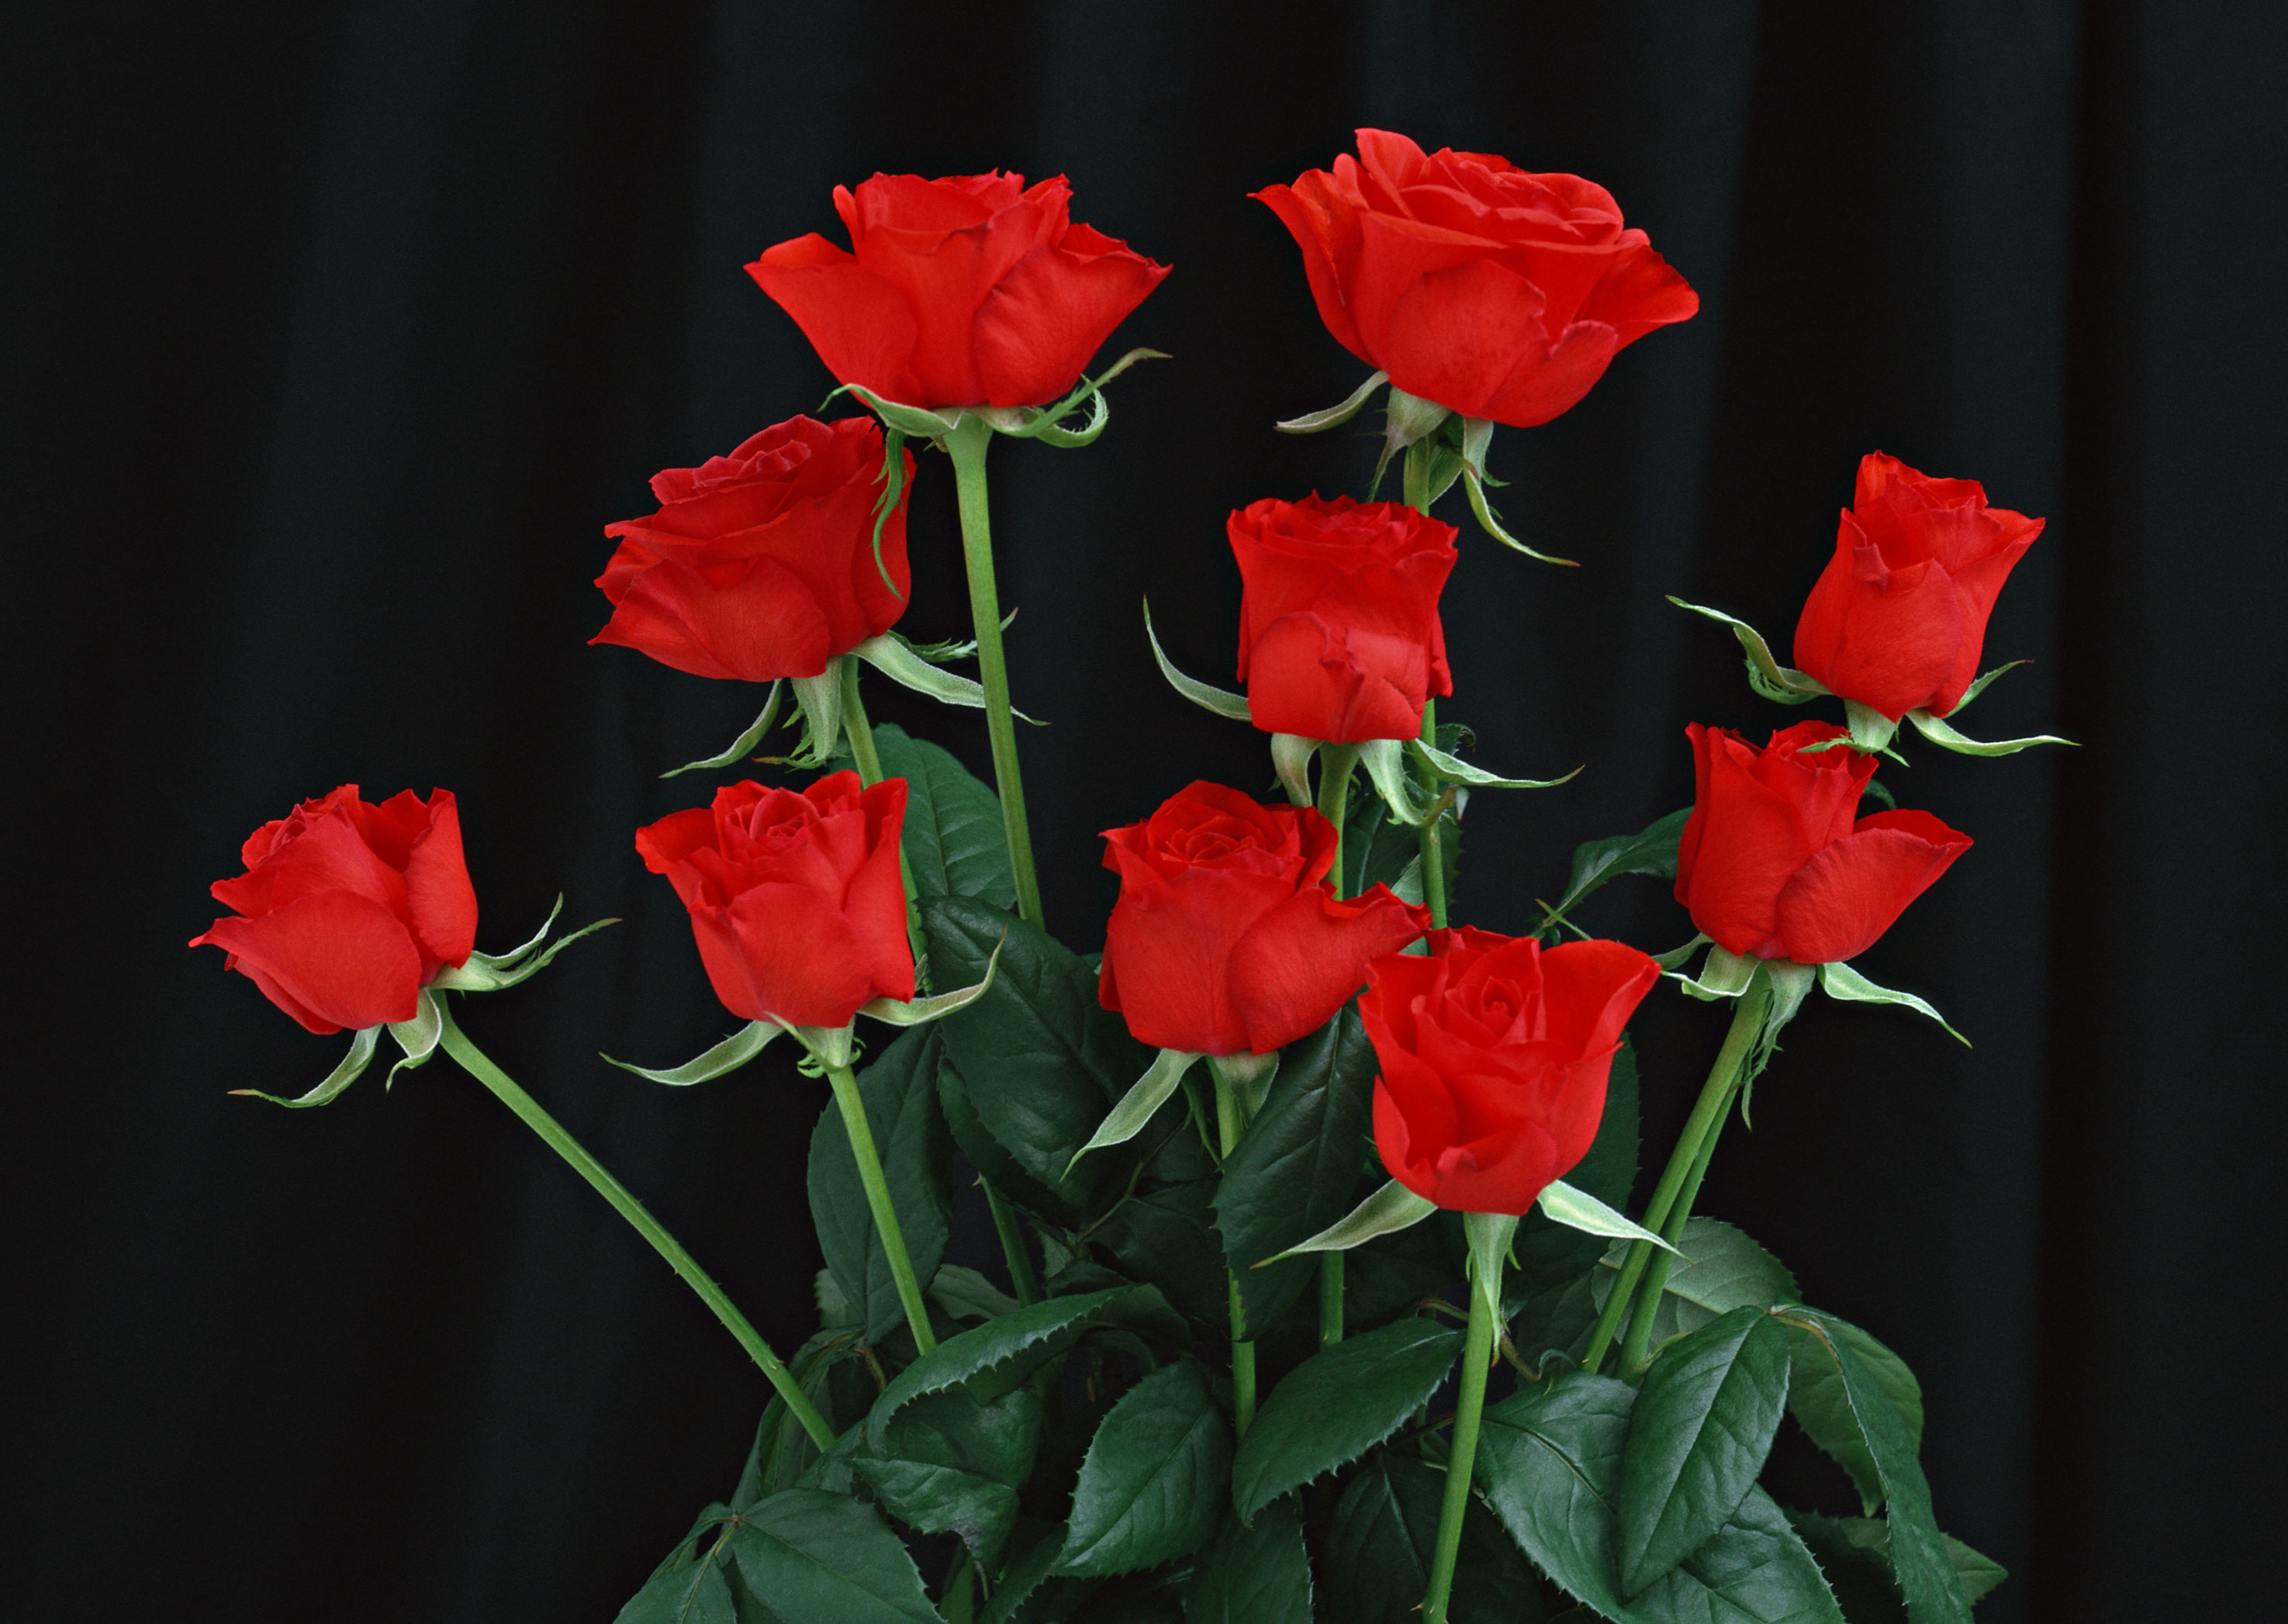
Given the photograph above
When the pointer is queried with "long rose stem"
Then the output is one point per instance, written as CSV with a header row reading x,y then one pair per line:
x,y
861,734
1417,492
472,1061
1470,1402
1228,1128
1336,762
877,1200
966,445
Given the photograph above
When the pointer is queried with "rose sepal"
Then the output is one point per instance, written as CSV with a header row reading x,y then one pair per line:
x,y
352,1067
1766,673
914,422
1489,1235
1385,761
820,699
1840,980
1477,434
1390,1209
1726,975
745,744
486,972
909,667
1456,771
727,1056
1334,416
1939,732
1231,707
417,1037
1291,760
1145,1097
916,1011
1046,423
1408,419
1562,1203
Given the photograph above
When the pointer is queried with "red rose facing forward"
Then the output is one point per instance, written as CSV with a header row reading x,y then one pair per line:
x,y
971,291
1898,620
1776,864
348,910
795,897
1495,1055
1339,633
761,564
1227,937
1494,292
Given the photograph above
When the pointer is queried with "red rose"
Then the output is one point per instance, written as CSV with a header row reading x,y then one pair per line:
x,y
1898,619
795,897
1494,1060
1339,633
761,564
1227,937
349,910
967,291
1492,292
1775,862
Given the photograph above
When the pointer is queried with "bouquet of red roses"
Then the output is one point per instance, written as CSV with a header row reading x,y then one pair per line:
x,y
1323,1298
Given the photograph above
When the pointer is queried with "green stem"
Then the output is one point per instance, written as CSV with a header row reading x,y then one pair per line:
x,y
877,1199
1012,1245
1433,856
1477,1359
861,734
1335,764
967,445
1228,1128
1331,1298
472,1061
1699,1133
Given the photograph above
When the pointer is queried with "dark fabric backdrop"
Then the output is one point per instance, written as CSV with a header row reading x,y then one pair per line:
x,y
335,334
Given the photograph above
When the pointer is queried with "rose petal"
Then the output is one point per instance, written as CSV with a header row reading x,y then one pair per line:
x,y
1847,895
859,323
340,956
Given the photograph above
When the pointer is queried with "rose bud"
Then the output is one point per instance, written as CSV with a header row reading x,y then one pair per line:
x,y
1775,863
971,291
1495,1055
1897,621
1226,939
1339,633
348,910
1492,292
761,564
795,897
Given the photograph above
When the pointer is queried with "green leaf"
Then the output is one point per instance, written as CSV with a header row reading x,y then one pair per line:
x,y
1822,1409
960,1293
1231,707
1026,1575
1334,416
1038,1056
1394,1207
1164,1237
1918,1553
953,841
741,746
1153,1477
1766,675
972,1353
1840,980
1338,1403
1977,1574
1705,1420
900,1091
1379,1547
1293,1173
1549,1463
688,1588
1941,734
1856,1553
1652,852
808,1555
727,1056
1144,1098
352,1067
1578,1209
949,1464
1727,1271
992,1158
943,1500
1254,1576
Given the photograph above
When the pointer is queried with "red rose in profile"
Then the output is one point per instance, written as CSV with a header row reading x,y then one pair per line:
x,y
1339,633
1775,862
795,897
1898,619
761,564
1227,937
971,291
348,910
1495,1055
1493,291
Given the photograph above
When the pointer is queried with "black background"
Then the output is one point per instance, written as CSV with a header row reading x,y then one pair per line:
x,y
335,334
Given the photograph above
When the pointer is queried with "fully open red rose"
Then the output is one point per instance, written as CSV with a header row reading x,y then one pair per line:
x,y
349,909
1775,861
1339,633
761,564
795,897
1495,292
1495,1055
1898,619
971,291
1227,937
